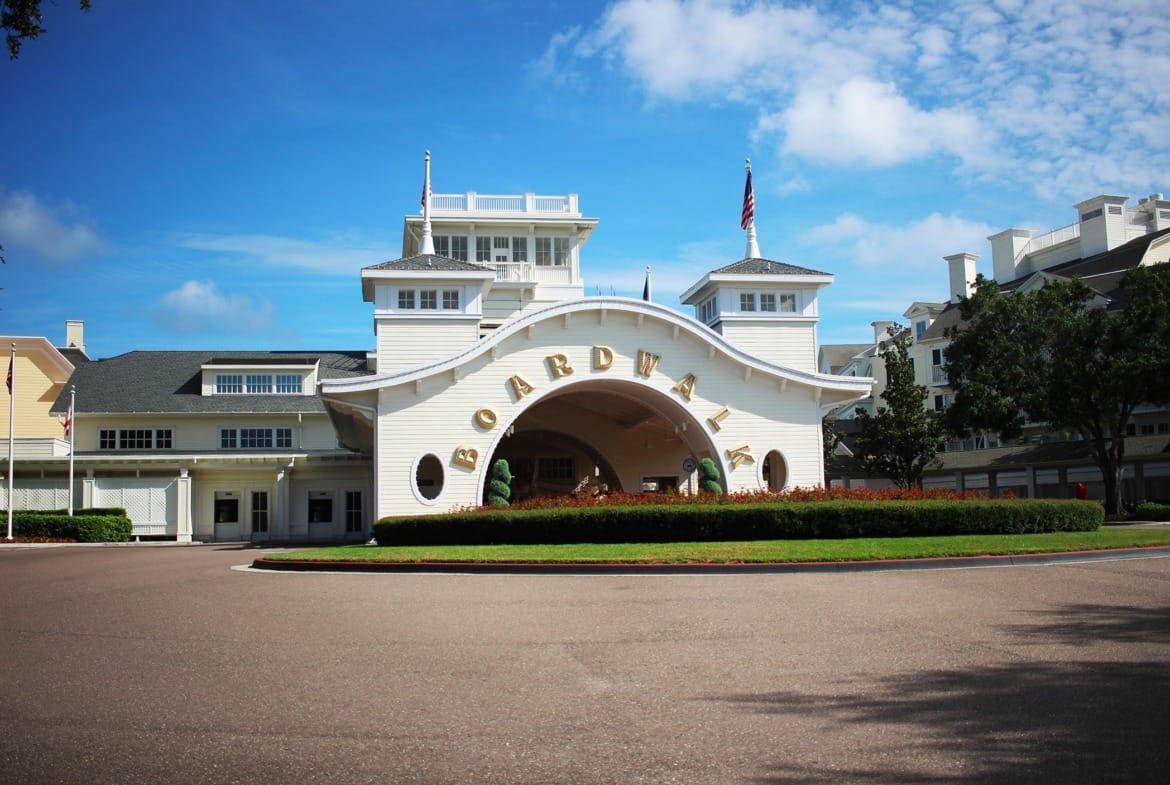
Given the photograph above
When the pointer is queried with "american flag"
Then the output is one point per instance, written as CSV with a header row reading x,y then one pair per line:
x,y
69,419
10,361
749,203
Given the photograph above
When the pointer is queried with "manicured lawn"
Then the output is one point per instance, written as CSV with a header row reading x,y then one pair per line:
x,y
744,552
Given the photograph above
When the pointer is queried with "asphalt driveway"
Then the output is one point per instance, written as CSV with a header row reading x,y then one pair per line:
x,y
165,665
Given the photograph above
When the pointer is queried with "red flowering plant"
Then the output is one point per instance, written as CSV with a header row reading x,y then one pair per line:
x,y
793,495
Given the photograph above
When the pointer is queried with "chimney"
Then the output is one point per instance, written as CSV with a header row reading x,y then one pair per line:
x,y
1102,221
882,330
1005,247
962,269
75,335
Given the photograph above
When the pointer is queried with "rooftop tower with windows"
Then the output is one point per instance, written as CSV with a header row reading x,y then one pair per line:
x,y
765,307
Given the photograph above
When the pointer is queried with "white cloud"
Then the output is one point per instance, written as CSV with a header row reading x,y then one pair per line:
x,y
921,244
681,49
52,234
1068,97
867,122
339,256
200,307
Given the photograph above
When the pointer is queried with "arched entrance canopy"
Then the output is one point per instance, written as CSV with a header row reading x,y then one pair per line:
x,y
834,389
614,433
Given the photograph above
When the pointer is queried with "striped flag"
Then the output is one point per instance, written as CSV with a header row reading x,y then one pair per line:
x,y
10,361
69,418
749,203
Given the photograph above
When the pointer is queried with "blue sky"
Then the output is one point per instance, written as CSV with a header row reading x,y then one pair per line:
x,y
215,174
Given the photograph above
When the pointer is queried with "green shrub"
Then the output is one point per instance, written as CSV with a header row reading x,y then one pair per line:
x,y
1152,511
85,527
753,521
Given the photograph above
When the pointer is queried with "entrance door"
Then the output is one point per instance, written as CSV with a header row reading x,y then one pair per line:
x,y
227,515
259,512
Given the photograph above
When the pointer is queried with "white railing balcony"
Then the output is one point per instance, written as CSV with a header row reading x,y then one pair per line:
x,y
506,204
514,271
938,374
1055,237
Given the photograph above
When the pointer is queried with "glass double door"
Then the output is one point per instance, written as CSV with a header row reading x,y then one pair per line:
x,y
243,515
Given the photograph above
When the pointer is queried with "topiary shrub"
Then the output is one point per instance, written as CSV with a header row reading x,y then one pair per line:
x,y
500,484
709,477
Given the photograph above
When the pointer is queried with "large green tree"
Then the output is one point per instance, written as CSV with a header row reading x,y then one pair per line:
x,y
1061,356
900,439
21,19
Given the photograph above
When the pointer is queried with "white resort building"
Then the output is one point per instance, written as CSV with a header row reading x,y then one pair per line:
x,y
1109,238
485,347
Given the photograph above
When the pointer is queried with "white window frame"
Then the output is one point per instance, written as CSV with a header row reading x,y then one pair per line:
x,y
747,302
428,299
289,384
229,384
483,248
450,299
406,300
257,383
553,251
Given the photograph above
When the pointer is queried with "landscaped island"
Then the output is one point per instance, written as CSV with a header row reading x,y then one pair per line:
x,y
798,526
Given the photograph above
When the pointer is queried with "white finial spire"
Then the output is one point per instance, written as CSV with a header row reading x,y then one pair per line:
x,y
427,245
747,218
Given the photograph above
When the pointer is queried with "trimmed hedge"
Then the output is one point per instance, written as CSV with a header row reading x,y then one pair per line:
x,y
757,521
83,526
1152,511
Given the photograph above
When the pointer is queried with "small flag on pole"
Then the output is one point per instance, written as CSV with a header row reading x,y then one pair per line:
x,y
10,361
749,203
69,418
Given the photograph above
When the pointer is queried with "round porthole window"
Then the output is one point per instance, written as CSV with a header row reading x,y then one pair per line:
x,y
774,471
428,478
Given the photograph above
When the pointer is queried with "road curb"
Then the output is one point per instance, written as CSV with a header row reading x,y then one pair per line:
x,y
489,568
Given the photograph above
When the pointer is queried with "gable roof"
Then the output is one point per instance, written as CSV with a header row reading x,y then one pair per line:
x,y
161,382
838,355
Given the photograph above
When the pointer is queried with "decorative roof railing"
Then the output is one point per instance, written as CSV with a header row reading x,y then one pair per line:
x,y
509,204
1055,237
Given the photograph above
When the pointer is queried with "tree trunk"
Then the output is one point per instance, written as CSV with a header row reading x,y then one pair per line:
x,y
1111,462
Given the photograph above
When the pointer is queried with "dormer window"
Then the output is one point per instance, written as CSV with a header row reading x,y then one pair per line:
x,y
406,299
747,301
229,383
259,384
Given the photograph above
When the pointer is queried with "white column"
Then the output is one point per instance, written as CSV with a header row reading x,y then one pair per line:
x,y
183,507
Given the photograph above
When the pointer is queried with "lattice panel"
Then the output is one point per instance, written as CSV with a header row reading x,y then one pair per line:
x,y
36,495
151,504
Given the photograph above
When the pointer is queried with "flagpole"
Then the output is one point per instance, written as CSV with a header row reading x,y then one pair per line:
x,y
427,243
748,218
72,429
11,429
